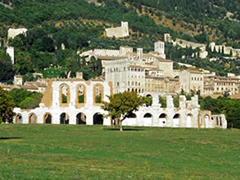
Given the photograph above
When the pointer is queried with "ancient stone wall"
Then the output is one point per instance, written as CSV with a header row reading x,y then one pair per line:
x,y
12,33
118,32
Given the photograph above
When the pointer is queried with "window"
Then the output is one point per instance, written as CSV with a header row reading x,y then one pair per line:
x,y
98,93
80,91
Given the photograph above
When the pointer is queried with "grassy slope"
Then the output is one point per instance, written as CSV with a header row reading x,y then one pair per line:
x,y
96,152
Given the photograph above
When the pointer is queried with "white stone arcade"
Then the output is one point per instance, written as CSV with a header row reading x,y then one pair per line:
x,y
75,101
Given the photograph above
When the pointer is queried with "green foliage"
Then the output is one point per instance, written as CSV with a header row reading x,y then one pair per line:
x,y
92,69
148,101
64,98
98,99
28,77
81,99
53,72
6,69
25,99
53,23
223,105
176,101
6,106
163,102
23,63
121,105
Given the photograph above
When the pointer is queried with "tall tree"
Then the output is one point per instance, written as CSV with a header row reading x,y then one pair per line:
x,y
6,107
122,105
6,71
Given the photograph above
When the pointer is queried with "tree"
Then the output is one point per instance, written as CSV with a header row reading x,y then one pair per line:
x,y
23,64
25,99
6,107
6,71
121,105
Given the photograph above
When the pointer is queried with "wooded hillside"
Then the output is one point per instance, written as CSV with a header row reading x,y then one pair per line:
x,y
80,25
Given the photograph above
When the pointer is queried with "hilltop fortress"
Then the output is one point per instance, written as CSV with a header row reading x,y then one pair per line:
x,y
118,32
203,53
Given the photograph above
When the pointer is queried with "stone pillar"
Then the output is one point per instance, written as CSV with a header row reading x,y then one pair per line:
x,y
89,118
170,102
72,119
56,117
107,121
182,102
73,95
194,102
155,101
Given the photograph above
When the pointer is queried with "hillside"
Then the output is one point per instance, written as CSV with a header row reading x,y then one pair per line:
x,y
80,25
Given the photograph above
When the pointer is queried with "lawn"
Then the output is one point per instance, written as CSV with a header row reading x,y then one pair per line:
x,y
98,152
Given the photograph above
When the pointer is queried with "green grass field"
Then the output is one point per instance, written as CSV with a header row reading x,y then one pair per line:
x,y
97,152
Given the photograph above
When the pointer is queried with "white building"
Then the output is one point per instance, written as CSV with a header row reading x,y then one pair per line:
x,y
118,32
12,33
75,101
191,80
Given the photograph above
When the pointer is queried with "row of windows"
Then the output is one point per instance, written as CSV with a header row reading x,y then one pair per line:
x,y
226,89
196,79
226,84
131,84
136,90
81,94
124,69
137,76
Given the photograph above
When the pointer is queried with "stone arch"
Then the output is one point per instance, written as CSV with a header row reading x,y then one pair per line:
x,y
131,120
64,118
206,120
132,115
64,95
81,118
147,115
47,118
189,121
81,95
162,120
18,119
176,120
147,119
149,96
32,118
98,95
98,118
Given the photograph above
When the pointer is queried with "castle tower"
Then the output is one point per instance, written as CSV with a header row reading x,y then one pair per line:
x,y
167,38
18,80
79,75
140,53
159,47
124,26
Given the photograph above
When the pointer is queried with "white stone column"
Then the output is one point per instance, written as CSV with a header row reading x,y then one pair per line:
x,y
72,119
